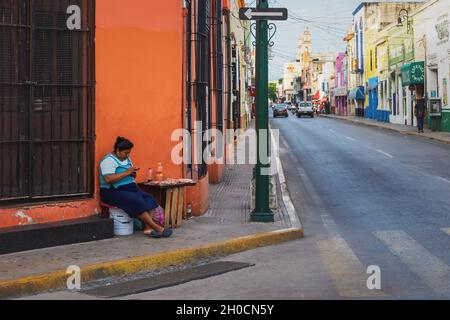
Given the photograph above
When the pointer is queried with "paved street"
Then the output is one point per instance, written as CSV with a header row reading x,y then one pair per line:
x,y
365,197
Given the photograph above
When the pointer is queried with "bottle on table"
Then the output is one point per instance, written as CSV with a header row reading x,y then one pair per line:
x,y
150,175
159,172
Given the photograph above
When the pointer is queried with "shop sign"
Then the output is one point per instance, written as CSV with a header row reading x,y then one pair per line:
x,y
413,73
409,49
340,92
442,29
396,54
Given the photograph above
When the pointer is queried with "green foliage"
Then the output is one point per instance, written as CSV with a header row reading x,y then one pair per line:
x,y
272,91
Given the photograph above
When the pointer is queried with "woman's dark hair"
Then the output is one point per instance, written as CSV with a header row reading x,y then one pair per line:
x,y
123,144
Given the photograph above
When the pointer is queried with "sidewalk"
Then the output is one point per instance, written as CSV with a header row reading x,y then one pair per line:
x,y
443,137
222,231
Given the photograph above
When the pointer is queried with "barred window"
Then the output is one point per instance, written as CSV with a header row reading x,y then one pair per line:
x,y
46,99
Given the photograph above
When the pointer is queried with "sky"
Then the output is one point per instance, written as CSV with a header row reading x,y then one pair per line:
x,y
327,20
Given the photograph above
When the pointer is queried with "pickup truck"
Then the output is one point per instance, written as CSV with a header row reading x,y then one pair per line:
x,y
305,108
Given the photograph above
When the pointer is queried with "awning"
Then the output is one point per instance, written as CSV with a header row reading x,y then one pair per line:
x,y
413,73
357,94
316,96
372,83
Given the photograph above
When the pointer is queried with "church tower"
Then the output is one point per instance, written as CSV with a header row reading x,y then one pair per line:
x,y
304,47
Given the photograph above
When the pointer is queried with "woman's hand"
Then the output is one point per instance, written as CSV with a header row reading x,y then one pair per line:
x,y
113,178
132,171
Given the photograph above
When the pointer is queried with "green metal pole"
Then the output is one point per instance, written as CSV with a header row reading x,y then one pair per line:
x,y
262,211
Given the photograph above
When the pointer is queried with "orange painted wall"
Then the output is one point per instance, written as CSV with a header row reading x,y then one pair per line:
x,y
198,196
139,52
139,79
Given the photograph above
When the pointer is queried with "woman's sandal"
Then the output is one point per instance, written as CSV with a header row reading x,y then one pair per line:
x,y
165,234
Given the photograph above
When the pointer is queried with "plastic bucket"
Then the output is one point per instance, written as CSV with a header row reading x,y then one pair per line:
x,y
123,224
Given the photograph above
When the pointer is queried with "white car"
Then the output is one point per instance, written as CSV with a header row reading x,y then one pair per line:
x,y
305,108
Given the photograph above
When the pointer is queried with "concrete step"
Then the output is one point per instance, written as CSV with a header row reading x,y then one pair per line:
x,y
38,236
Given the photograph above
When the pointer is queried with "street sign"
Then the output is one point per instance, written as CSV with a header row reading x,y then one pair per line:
x,y
263,14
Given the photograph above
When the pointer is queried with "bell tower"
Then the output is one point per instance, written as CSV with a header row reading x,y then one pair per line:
x,y
304,47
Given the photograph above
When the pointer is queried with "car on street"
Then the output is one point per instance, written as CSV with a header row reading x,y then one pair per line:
x,y
305,108
280,110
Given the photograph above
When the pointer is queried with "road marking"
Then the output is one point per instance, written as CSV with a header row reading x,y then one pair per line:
x,y
347,272
332,131
433,271
442,179
349,138
446,230
385,153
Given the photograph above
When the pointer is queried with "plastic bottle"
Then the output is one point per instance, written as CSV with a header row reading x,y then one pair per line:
x,y
159,172
150,174
189,211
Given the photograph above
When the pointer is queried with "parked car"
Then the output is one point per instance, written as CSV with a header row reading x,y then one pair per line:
x,y
280,110
305,108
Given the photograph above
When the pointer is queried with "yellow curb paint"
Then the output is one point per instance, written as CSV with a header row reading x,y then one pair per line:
x,y
57,280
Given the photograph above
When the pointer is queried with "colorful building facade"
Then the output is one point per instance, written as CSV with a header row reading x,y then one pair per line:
x,y
432,50
340,85
355,91
86,72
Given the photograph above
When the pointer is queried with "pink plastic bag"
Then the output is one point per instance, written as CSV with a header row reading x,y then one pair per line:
x,y
158,216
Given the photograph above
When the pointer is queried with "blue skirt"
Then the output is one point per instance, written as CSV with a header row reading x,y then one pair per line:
x,y
129,198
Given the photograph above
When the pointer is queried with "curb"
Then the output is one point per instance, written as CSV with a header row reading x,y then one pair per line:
x,y
295,220
406,133
57,280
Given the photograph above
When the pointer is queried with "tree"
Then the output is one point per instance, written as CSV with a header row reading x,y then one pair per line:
x,y
272,91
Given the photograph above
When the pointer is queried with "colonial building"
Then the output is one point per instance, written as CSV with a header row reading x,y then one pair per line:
x,y
432,49
291,72
355,95
340,85
323,69
369,19
76,74
242,69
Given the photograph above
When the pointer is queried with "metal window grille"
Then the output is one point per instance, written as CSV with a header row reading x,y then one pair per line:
x,y
227,66
188,6
46,101
217,60
236,89
201,69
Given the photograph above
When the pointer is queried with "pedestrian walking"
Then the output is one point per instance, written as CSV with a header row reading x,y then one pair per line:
x,y
327,107
420,114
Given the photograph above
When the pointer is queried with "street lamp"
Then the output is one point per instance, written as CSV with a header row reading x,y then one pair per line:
x,y
403,15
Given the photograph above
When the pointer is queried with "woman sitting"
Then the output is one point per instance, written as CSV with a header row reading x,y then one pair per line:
x,y
119,188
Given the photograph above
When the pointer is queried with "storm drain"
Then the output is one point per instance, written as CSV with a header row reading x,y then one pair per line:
x,y
166,280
